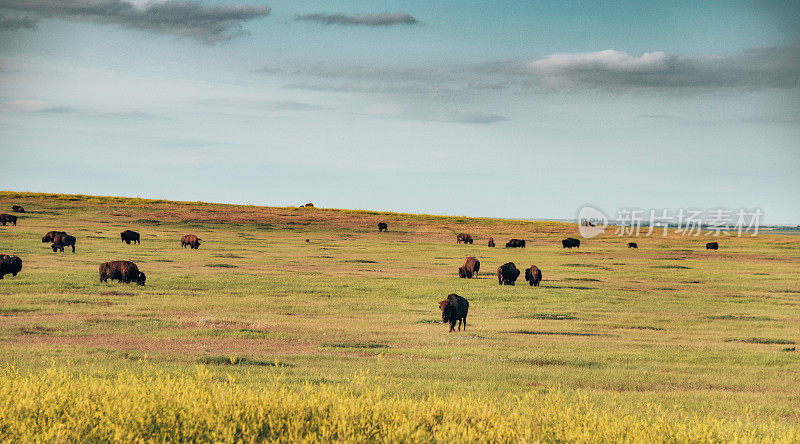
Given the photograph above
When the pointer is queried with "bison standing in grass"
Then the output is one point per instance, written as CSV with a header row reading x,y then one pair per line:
x,y
8,219
491,242
633,245
63,240
533,275
515,243
570,242
454,309
466,238
191,240
9,265
129,236
507,274
712,246
470,268
17,209
123,271
51,235
382,226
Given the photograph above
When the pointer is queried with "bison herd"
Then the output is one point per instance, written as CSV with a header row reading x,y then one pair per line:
x,y
59,240
454,308
123,271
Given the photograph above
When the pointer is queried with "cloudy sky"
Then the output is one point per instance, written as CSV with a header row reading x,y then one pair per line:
x,y
513,109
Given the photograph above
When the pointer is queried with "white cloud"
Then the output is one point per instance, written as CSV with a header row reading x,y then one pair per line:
x,y
608,60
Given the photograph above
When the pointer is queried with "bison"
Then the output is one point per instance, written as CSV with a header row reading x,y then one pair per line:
x,y
491,242
454,309
8,219
471,267
633,245
51,235
129,236
17,209
507,274
570,243
712,246
123,271
533,275
191,240
9,265
382,226
466,238
515,243
63,240
309,205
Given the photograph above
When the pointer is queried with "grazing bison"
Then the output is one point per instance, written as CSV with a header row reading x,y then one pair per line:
x,y
515,243
63,240
712,246
491,242
471,267
191,240
309,205
533,275
17,209
633,245
123,271
570,243
8,219
382,226
454,309
466,238
507,274
51,235
9,265
129,236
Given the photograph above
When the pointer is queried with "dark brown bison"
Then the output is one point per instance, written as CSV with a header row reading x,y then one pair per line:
x,y
515,243
533,275
309,205
570,243
491,242
633,245
466,238
129,236
507,274
470,268
712,246
382,226
191,240
17,209
8,219
51,235
63,240
454,309
123,271
9,265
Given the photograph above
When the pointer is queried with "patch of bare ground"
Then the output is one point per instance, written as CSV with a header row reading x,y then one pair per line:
x,y
184,346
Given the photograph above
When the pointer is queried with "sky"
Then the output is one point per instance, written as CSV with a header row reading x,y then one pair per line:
x,y
518,109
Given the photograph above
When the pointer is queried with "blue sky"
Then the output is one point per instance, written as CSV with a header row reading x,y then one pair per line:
x,y
509,109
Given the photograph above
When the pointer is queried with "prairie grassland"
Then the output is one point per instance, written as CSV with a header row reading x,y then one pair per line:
x,y
689,332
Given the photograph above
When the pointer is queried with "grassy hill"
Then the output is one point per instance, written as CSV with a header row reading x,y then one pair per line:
x,y
690,332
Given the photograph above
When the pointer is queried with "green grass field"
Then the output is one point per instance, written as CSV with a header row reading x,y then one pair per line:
x,y
693,332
